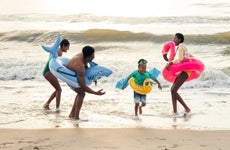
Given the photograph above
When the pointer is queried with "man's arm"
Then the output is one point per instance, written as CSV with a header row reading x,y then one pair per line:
x,y
82,83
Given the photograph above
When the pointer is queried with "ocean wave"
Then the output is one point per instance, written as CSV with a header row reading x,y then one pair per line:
x,y
76,18
211,78
226,70
33,71
226,51
36,37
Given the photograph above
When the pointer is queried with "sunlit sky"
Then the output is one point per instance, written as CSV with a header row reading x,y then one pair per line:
x,y
112,7
135,8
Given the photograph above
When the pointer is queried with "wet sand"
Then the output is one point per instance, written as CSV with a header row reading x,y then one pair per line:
x,y
113,138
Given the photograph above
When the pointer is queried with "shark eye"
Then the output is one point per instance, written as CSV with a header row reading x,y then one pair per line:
x,y
100,72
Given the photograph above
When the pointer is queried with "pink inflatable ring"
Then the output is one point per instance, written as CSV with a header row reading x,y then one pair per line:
x,y
170,45
195,66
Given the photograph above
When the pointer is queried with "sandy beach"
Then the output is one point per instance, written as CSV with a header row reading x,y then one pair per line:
x,y
116,138
122,32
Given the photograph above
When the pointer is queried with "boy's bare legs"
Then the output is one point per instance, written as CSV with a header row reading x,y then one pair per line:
x,y
136,109
140,107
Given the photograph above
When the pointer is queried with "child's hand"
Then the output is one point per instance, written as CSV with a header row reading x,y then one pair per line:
x,y
159,86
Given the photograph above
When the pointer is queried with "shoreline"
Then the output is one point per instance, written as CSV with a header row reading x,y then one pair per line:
x,y
114,138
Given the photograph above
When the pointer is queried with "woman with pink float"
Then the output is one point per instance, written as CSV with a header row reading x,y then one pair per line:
x,y
181,67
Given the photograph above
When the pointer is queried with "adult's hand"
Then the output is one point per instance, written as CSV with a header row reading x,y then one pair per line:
x,y
168,65
100,92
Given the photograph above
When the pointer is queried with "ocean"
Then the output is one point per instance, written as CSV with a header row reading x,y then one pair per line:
x,y
122,32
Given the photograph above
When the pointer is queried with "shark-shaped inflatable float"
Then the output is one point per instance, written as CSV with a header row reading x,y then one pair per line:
x,y
58,69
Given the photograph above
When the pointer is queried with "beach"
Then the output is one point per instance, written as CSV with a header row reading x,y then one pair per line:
x,y
138,30
107,138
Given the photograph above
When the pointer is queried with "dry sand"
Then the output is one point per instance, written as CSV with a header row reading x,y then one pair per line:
x,y
120,138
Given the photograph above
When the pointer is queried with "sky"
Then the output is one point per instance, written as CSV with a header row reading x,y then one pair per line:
x,y
129,8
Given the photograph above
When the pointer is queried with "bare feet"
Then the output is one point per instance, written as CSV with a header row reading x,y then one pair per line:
x,y
188,110
46,106
58,110
71,117
136,118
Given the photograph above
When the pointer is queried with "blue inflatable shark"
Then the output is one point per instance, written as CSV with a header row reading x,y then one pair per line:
x,y
58,69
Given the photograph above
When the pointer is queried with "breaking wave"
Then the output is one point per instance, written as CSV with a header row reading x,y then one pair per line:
x,y
103,35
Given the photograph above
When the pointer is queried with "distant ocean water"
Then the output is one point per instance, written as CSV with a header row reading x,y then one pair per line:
x,y
120,39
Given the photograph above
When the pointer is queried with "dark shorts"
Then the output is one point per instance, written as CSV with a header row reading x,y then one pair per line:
x,y
139,98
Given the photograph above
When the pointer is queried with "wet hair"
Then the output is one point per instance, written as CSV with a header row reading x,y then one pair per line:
x,y
64,42
180,36
87,51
